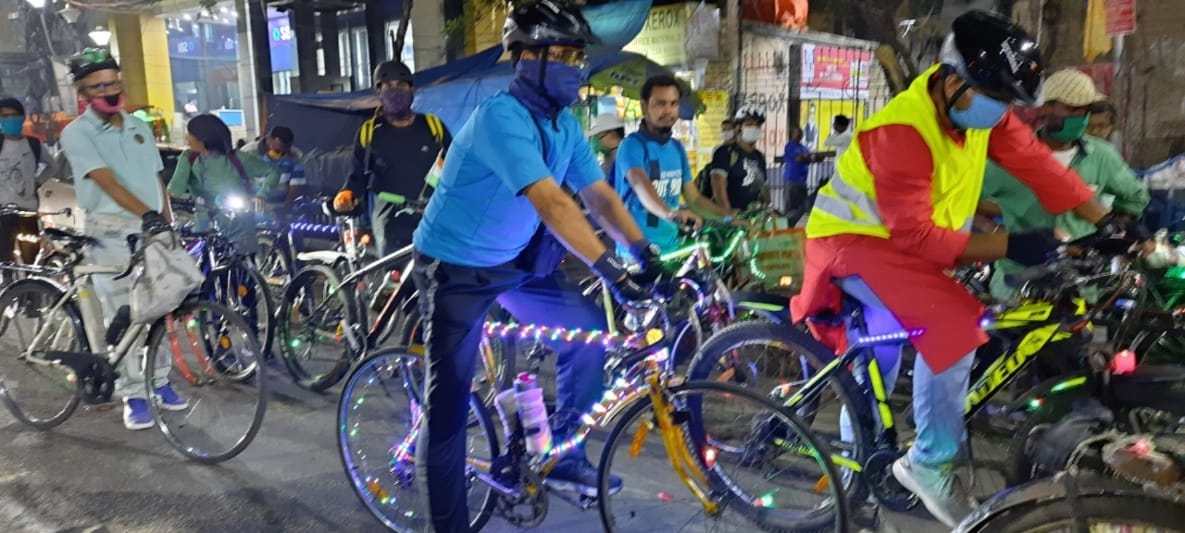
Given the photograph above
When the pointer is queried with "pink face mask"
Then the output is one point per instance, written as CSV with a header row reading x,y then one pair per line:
x,y
109,104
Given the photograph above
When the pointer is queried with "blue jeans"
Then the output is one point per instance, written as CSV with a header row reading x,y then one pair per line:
x,y
454,301
938,399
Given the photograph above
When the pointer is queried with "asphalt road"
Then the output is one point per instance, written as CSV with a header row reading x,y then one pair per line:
x,y
92,475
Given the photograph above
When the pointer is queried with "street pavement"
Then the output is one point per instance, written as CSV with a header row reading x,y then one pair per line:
x,y
91,475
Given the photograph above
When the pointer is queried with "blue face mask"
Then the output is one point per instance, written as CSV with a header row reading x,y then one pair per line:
x,y
984,113
12,125
560,84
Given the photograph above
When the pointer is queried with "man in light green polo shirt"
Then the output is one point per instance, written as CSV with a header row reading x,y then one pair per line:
x,y
1069,96
116,170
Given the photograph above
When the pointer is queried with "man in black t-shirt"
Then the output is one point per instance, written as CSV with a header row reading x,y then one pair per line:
x,y
395,151
738,170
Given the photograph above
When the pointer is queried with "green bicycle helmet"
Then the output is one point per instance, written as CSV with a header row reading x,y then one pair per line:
x,y
89,61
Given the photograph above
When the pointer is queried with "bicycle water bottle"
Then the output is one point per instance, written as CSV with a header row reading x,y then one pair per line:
x,y
532,414
506,406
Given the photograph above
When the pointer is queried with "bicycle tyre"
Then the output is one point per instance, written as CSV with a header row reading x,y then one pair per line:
x,y
266,332
839,523
51,293
156,335
341,366
489,380
365,373
1159,514
842,384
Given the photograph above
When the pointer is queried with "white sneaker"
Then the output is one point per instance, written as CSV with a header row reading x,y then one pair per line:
x,y
945,492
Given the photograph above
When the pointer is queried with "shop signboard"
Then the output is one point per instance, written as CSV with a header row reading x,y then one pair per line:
x,y
281,40
663,37
832,72
1121,17
707,124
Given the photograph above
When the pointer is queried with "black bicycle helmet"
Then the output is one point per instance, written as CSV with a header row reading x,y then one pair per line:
x,y
994,56
89,61
545,23
391,71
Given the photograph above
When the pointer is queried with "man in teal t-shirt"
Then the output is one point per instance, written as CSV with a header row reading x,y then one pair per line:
x,y
652,169
1068,95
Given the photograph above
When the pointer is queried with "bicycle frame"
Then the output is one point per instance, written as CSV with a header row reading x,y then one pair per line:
x,y
646,375
82,289
1033,316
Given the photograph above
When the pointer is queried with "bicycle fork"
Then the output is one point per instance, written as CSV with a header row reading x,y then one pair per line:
x,y
674,439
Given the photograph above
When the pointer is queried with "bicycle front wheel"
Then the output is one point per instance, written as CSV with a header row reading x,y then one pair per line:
x,y
784,480
201,350
243,289
378,427
314,320
36,393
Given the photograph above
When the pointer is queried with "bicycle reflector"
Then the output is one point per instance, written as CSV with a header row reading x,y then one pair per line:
x,y
1124,362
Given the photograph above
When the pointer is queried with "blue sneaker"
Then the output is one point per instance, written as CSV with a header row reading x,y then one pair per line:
x,y
576,474
170,400
136,415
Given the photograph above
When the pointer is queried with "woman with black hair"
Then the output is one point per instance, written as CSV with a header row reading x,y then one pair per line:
x,y
213,175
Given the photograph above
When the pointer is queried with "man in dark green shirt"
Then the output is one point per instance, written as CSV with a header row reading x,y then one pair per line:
x,y
1069,96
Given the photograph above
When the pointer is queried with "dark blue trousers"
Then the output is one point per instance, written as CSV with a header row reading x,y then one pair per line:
x,y
455,300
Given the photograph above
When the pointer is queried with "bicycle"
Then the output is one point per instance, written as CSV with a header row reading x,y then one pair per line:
x,y
232,278
70,349
1070,502
282,241
646,397
1052,313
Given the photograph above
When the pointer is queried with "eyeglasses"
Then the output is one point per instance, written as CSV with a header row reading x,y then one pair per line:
x,y
572,57
103,87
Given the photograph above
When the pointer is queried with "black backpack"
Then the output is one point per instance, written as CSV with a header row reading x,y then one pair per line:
x,y
703,180
34,144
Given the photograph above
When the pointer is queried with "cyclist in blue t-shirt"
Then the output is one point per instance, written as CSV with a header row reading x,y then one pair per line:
x,y
503,176
656,169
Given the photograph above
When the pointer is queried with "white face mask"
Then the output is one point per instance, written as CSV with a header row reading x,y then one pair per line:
x,y
727,136
750,134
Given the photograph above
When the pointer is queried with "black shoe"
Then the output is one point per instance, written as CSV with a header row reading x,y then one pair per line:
x,y
576,474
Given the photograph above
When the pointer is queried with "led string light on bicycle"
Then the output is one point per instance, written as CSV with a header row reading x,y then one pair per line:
x,y
570,336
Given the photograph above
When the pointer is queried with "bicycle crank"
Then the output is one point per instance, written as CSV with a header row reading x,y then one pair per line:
x,y
529,508
878,473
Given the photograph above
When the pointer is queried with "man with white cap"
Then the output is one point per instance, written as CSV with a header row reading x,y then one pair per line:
x,y
605,136
1068,96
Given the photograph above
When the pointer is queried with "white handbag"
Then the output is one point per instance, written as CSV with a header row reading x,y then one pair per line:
x,y
165,277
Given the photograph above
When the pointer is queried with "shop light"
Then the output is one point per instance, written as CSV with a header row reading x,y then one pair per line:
x,y
100,35
70,13
36,4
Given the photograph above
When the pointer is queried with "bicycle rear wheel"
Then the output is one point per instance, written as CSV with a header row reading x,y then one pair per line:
x,y
752,489
38,395
243,289
207,346
378,426
314,320
776,360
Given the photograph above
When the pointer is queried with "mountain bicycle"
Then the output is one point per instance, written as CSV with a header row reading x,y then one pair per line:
x,y
646,406
1074,503
1052,312
67,357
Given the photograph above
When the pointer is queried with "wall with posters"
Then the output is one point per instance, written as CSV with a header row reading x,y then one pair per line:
x,y
769,73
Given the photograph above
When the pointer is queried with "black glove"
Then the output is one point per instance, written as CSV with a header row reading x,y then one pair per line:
x,y
153,223
1116,236
1031,248
624,288
648,255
